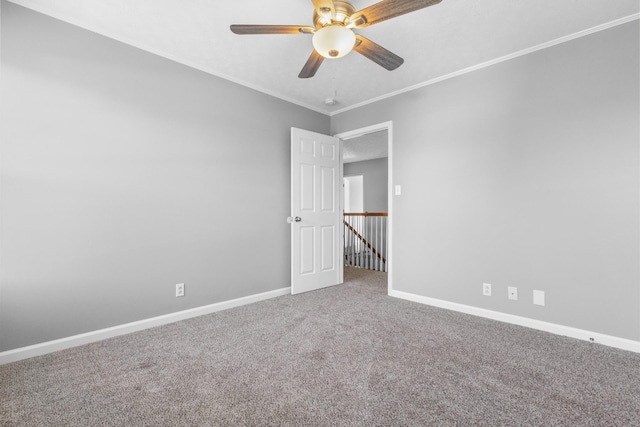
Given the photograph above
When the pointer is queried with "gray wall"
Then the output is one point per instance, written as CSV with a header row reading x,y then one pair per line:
x,y
525,174
374,174
122,174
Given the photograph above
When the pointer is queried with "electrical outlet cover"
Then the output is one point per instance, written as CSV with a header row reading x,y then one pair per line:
x,y
486,289
180,290
513,293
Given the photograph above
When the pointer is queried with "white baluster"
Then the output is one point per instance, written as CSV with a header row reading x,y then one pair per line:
x,y
376,264
370,243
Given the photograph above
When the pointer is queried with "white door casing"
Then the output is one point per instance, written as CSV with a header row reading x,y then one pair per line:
x,y
316,217
385,126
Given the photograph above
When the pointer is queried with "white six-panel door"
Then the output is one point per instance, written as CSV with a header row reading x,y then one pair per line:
x,y
316,220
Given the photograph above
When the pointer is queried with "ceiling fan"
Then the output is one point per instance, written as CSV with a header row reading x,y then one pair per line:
x,y
333,36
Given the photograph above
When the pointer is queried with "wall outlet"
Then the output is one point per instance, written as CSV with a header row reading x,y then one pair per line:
x,y
486,289
538,297
180,290
513,293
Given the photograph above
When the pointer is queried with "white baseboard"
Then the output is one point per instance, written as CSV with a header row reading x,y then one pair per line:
x,y
608,340
89,337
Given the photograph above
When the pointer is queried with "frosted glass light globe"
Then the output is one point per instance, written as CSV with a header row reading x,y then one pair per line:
x,y
334,41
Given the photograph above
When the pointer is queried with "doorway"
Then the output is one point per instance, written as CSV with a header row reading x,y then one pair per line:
x,y
357,133
353,193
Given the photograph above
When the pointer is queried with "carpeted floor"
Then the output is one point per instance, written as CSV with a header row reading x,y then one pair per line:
x,y
347,355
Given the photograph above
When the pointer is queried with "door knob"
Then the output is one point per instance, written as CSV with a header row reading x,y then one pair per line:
x,y
292,219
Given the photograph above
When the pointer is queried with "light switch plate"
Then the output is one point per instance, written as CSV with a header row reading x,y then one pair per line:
x,y
398,190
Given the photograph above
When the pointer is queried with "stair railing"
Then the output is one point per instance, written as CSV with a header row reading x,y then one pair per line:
x,y
365,240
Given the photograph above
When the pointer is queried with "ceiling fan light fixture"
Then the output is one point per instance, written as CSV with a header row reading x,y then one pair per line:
x,y
334,41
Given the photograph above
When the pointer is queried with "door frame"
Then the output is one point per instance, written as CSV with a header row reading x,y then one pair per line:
x,y
343,136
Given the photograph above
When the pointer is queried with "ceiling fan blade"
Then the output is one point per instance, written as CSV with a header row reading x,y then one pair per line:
x,y
312,65
324,7
377,53
387,9
271,29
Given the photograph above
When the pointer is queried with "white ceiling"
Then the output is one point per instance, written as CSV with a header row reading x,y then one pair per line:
x,y
366,147
435,42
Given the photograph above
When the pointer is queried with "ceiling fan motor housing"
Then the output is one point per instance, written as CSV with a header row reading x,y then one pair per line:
x,y
343,10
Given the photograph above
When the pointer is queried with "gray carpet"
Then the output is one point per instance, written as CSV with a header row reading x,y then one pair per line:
x,y
348,355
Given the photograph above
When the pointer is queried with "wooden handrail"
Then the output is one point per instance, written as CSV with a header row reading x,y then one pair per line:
x,y
380,257
366,214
